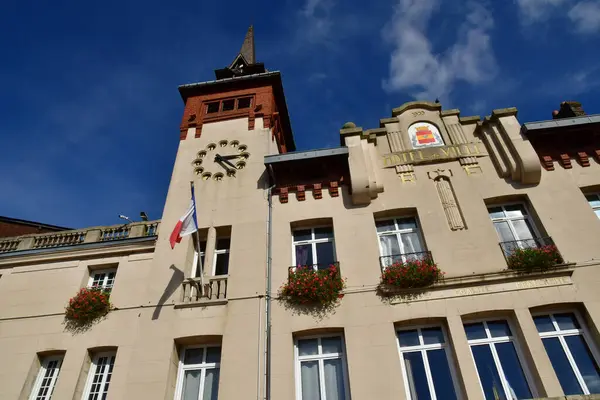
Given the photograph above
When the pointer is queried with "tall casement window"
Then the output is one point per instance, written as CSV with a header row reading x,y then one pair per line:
x,y
198,376
199,263
594,200
515,227
399,240
502,374
46,378
426,364
103,279
221,258
99,376
568,346
314,247
321,369
220,264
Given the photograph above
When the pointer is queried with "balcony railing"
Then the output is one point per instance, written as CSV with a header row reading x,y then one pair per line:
x,y
115,233
215,288
9,245
530,254
68,238
316,267
386,261
79,237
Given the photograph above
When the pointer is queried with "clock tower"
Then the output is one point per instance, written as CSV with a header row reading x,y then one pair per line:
x,y
229,125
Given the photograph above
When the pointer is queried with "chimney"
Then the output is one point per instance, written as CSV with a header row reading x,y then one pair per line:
x,y
568,109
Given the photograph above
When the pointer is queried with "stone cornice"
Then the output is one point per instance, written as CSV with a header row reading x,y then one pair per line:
x,y
427,105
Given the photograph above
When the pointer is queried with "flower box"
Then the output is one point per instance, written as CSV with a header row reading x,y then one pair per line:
x,y
411,274
307,286
534,258
88,305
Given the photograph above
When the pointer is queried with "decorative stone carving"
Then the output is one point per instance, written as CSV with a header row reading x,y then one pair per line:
x,y
283,195
512,155
448,199
333,189
566,161
548,163
300,193
317,191
583,158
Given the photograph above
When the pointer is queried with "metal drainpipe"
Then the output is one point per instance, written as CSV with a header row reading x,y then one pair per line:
x,y
268,291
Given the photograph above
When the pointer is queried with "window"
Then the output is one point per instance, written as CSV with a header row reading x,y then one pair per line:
x,y
515,228
221,259
426,364
99,376
321,369
594,200
566,342
497,360
244,102
197,268
314,247
198,376
46,378
103,279
228,105
213,107
399,240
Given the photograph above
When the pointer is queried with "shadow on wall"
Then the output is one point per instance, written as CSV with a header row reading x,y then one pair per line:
x,y
172,286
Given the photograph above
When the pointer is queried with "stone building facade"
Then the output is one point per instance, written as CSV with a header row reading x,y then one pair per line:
x,y
205,320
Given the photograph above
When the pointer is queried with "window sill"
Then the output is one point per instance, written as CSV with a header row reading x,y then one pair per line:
x,y
200,303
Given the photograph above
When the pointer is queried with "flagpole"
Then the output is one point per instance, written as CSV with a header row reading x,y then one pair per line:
x,y
199,262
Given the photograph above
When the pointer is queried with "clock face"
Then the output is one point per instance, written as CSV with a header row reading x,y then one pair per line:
x,y
221,160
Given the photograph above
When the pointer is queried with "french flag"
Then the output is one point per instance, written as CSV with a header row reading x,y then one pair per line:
x,y
186,225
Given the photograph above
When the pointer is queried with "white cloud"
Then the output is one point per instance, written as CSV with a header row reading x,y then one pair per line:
x,y
425,74
537,10
586,17
316,23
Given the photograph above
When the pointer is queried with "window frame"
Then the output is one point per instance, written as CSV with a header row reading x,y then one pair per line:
x,y
594,209
42,374
235,108
313,242
560,334
196,266
216,252
320,358
181,368
422,348
534,229
489,341
92,372
398,232
106,271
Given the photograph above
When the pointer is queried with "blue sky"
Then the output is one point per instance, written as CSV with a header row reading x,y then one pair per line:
x,y
89,108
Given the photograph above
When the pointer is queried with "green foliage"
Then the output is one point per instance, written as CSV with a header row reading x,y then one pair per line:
x,y
411,274
87,305
534,258
305,286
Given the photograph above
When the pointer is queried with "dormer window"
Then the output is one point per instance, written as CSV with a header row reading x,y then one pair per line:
x,y
244,102
227,105
213,107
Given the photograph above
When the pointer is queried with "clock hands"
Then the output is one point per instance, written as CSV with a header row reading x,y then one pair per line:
x,y
225,160
231,157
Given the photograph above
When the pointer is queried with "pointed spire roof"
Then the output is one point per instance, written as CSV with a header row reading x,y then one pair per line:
x,y
247,49
244,62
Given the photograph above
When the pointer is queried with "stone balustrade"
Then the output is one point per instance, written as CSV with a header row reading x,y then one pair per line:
x,y
215,288
79,236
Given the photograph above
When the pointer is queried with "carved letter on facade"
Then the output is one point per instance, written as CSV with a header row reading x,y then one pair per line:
x,y
449,203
